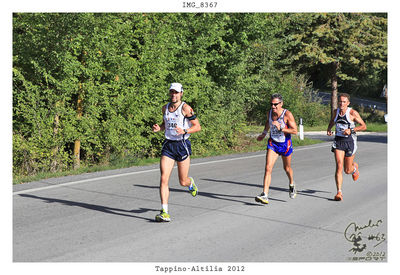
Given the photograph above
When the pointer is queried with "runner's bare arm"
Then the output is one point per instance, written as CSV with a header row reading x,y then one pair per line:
x,y
264,133
357,118
161,127
331,123
291,123
188,112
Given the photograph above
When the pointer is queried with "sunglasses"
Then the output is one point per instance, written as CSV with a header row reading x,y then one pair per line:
x,y
275,104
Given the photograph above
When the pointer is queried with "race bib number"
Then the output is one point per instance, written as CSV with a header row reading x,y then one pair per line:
x,y
274,131
341,127
171,125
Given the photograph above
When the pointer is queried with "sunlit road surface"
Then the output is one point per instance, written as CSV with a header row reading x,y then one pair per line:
x,y
109,216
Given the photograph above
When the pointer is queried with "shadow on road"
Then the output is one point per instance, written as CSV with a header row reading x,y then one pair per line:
x,y
373,138
306,192
100,208
233,182
237,198
216,196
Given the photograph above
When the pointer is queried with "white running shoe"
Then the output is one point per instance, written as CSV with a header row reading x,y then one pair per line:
x,y
263,198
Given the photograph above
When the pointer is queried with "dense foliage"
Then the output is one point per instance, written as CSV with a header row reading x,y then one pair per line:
x,y
87,87
348,50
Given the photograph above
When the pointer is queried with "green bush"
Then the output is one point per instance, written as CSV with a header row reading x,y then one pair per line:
x,y
101,79
297,97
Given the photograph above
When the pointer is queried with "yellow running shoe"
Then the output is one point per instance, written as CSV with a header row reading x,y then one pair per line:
x,y
163,217
194,189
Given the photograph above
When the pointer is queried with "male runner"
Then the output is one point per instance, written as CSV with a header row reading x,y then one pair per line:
x,y
345,143
179,122
282,125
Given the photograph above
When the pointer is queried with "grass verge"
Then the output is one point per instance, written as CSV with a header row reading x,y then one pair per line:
x,y
246,143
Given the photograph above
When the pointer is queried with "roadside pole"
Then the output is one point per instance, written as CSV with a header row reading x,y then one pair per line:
x,y
301,129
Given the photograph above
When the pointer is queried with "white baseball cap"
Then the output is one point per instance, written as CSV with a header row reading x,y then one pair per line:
x,y
176,86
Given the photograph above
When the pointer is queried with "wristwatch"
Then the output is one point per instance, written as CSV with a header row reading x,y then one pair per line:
x,y
185,130
353,132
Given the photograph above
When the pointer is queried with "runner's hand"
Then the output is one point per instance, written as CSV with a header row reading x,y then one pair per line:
x,y
277,125
347,132
261,137
156,128
180,131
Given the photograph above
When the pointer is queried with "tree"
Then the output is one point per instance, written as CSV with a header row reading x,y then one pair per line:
x,y
71,73
343,45
88,86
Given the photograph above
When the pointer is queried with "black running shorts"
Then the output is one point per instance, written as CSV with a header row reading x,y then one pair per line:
x,y
178,150
349,146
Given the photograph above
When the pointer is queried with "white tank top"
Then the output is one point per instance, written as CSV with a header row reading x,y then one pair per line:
x,y
171,120
276,135
343,123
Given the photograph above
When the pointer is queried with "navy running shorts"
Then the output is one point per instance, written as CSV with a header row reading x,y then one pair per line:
x,y
178,150
284,149
349,146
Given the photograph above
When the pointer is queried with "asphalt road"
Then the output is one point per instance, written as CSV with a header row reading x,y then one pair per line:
x,y
109,216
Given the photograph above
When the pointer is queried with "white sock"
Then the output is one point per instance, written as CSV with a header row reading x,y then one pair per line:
x,y
165,207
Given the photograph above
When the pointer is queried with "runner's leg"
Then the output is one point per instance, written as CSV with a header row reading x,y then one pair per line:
x,y
183,171
270,162
349,164
288,168
339,157
166,165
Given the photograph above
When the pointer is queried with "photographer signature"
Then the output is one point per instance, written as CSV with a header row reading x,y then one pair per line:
x,y
356,234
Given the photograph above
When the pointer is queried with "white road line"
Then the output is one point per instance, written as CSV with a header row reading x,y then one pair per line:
x,y
148,171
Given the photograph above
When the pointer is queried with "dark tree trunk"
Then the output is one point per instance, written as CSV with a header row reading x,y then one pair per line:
x,y
334,85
